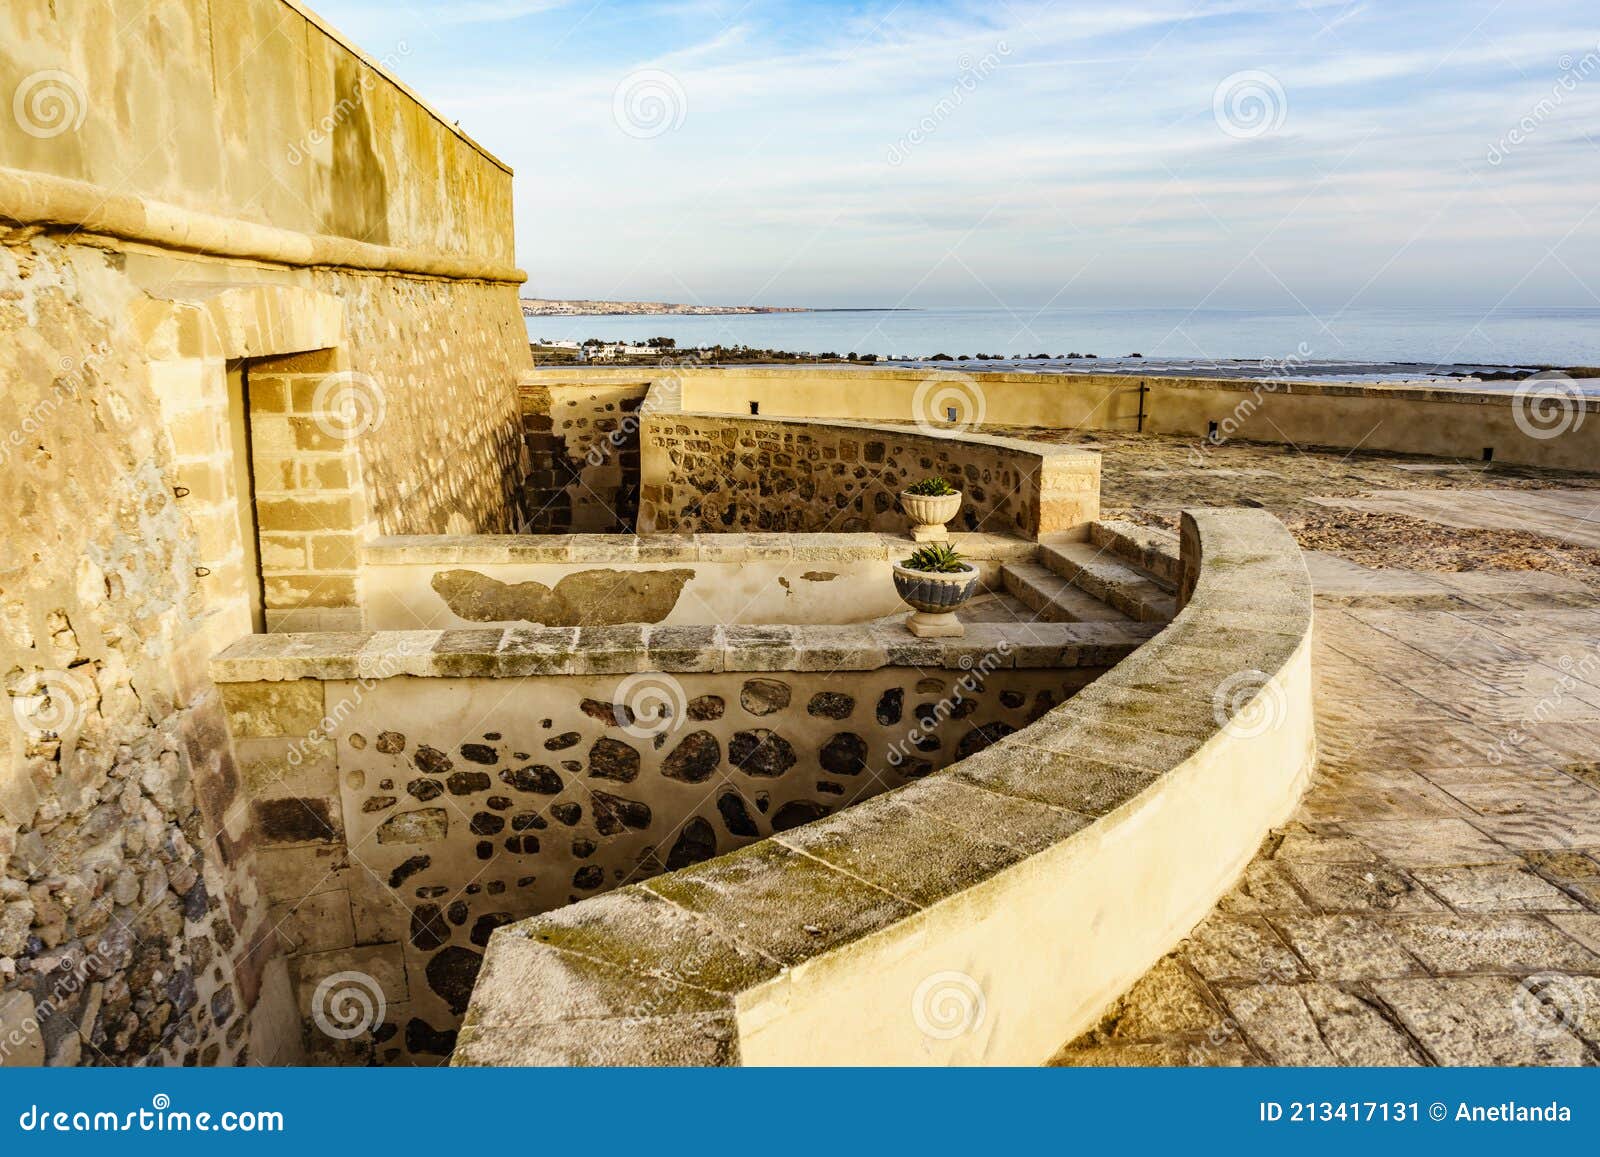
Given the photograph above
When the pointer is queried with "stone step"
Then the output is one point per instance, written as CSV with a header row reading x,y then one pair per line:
x,y
1052,598
1150,548
1107,577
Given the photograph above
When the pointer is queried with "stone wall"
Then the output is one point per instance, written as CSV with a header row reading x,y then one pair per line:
x,y
408,800
1560,430
375,268
583,446
982,914
410,582
708,472
253,111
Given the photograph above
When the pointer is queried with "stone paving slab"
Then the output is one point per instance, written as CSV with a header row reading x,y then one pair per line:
x,y
1436,899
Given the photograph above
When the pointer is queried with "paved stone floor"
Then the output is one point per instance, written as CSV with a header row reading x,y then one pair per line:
x,y
1436,899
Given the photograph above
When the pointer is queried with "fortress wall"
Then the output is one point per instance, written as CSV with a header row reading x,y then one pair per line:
x,y
413,791
224,212
1561,431
252,110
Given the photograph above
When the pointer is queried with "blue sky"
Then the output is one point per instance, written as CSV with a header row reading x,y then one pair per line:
x,y
1240,153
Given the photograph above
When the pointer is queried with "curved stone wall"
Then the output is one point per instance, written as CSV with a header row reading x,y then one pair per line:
x,y
1030,884
721,472
411,791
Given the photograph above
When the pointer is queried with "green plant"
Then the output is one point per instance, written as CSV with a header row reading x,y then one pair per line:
x,y
936,558
931,488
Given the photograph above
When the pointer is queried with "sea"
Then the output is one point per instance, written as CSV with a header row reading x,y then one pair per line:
x,y
1355,345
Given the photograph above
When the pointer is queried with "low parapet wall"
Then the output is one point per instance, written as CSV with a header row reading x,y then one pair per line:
x,y
410,791
557,580
984,914
709,472
1562,431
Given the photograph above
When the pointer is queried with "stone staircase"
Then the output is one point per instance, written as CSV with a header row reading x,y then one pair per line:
x,y
1123,573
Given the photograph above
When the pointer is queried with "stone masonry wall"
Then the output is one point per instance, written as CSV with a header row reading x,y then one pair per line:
x,y
131,926
128,917
713,473
431,811
225,183
583,448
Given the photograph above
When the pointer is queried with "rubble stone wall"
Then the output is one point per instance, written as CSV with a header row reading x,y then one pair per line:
x,y
712,472
402,817
583,456
297,221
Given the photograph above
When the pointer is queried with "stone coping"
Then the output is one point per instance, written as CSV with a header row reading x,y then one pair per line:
x,y
493,549
1031,883
517,652
1422,391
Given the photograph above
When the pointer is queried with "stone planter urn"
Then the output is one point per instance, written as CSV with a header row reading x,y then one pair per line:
x,y
935,597
929,513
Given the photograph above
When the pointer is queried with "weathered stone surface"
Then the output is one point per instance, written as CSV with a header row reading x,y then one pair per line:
x,y
797,812
704,708
735,816
602,596
424,826
844,753
1317,1024
294,821
467,782
764,696
612,759
695,759
831,705
451,974
696,842
613,813
1481,1020
431,760
760,753
428,927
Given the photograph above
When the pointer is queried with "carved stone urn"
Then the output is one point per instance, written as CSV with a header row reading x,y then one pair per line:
x,y
929,513
934,598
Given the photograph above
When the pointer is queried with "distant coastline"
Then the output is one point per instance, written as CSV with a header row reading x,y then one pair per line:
x,y
555,307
